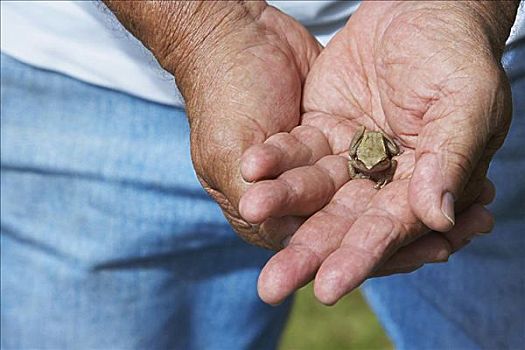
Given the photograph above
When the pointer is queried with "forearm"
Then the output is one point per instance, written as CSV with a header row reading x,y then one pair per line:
x,y
494,19
178,33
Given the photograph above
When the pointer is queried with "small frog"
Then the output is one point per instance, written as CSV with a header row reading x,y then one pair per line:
x,y
371,155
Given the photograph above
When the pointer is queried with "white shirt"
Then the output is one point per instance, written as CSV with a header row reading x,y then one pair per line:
x,y
83,40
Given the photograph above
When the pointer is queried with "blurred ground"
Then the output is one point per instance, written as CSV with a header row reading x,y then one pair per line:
x,y
350,324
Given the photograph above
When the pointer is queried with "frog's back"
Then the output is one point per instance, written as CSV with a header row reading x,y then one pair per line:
x,y
372,149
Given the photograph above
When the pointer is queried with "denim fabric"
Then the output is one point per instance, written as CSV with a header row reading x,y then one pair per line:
x,y
108,240
477,299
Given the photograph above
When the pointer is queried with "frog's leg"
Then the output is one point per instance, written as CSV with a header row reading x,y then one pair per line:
x,y
388,176
392,170
355,141
352,171
390,173
391,145
381,183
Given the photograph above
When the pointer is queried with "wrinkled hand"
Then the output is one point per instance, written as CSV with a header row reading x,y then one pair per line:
x,y
240,66
424,74
246,87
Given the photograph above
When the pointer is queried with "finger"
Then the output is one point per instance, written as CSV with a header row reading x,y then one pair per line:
x,y
488,193
320,235
395,271
348,266
431,248
304,145
301,191
338,130
476,220
437,247
387,224
456,136
270,234
279,230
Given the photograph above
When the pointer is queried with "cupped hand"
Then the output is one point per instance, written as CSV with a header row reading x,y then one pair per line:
x,y
427,75
242,88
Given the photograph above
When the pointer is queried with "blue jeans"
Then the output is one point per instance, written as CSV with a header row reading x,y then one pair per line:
x,y
108,240
477,299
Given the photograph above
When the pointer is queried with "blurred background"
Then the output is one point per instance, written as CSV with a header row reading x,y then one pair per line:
x,y
350,324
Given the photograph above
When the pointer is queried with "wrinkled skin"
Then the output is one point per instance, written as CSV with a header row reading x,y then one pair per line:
x,y
248,93
441,94
247,87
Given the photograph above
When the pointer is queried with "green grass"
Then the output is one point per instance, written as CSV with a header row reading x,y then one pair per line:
x,y
350,324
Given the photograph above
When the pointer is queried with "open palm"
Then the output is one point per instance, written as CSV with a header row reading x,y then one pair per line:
x,y
445,105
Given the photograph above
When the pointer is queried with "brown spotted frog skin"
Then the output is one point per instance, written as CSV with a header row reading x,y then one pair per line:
x,y
371,155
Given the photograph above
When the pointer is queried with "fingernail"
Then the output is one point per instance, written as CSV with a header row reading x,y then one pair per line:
x,y
487,232
286,241
275,304
482,233
447,207
246,182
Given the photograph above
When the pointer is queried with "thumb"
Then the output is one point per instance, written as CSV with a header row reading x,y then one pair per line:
x,y
450,148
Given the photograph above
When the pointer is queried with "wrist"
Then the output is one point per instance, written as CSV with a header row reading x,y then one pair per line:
x,y
493,19
181,34
482,26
